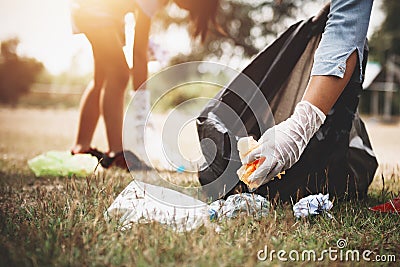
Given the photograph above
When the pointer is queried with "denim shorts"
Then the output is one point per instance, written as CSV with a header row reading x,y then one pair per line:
x,y
345,32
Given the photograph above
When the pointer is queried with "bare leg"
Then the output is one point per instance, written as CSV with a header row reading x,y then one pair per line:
x,y
323,91
112,105
89,111
106,96
112,99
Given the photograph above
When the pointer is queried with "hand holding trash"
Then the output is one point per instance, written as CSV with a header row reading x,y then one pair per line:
x,y
283,144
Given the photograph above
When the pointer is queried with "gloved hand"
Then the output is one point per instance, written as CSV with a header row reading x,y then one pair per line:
x,y
283,144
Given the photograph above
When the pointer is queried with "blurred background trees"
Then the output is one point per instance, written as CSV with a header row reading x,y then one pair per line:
x,y
386,40
248,27
17,73
383,96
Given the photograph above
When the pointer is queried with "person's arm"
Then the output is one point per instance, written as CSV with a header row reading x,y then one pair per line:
x,y
323,91
140,48
283,144
332,86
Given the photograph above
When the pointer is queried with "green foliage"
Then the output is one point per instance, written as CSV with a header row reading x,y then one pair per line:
x,y
386,40
194,92
384,43
16,73
58,221
190,97
247,26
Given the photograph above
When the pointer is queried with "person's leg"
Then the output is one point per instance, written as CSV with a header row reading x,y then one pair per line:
x,y
112,105
112,99
89,111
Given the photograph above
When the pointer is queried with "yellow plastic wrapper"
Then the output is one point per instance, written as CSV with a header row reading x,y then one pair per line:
x,y
245,146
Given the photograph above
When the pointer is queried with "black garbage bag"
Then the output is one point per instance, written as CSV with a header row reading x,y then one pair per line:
x,y
338,160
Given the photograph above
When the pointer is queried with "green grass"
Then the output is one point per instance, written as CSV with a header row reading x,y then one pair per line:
x,y
59,221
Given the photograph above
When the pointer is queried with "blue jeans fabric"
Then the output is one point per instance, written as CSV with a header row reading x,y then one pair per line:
x,y
345,32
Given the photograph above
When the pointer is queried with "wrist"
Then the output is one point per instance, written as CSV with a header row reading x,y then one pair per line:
x,y
296,132
315,109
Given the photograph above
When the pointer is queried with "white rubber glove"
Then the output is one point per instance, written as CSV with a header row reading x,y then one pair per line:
x,y
283,144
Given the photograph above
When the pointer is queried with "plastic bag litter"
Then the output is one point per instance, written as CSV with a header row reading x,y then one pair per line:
x,y
313,205
143,203
62,163
392,206
235,205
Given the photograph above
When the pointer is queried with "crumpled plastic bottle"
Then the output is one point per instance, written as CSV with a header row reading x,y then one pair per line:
x,y
63,163
245,203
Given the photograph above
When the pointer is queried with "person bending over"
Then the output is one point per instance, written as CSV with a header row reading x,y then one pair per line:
x,y
102,22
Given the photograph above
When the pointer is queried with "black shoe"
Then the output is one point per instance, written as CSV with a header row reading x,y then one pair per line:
x,y
92,151
125,160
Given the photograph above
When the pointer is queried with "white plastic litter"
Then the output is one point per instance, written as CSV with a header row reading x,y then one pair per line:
x,y
142,203
239,204
313,205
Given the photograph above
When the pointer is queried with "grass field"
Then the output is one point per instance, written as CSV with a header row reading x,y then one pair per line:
x,y
58,221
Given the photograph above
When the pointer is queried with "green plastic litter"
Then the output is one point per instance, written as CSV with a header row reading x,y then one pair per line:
x,y
62,163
